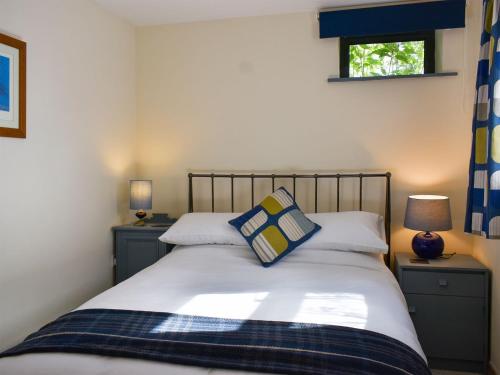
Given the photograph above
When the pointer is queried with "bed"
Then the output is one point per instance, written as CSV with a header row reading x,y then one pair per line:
x,y
311,288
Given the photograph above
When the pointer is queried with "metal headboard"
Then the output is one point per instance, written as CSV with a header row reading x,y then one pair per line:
x,y
294,177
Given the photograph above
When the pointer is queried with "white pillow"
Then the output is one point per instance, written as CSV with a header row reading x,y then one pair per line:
x,y
348,231
204,228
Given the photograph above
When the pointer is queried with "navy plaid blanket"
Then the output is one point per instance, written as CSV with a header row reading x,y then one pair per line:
x,y
251,345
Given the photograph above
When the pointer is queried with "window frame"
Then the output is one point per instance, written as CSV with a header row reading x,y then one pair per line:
x,y
429,38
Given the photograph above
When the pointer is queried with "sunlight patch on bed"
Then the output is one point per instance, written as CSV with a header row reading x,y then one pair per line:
x,y
344,309
227,305
173,325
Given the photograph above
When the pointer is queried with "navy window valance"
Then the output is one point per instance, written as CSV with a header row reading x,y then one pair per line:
x,y
392,19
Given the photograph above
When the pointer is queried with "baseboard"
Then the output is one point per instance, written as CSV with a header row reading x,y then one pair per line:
x,y
491,370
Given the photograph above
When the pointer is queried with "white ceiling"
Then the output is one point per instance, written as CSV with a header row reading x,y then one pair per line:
x,y
157,12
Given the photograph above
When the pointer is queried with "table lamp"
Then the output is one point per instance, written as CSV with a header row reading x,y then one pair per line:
x,y
141,198
428,213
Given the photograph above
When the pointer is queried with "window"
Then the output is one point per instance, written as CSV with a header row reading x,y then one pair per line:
x,y
387,55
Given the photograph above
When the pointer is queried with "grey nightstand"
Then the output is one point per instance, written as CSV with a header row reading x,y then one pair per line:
x,y
448,300
136,248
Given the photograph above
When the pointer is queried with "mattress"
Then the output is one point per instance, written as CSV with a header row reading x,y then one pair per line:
x,y
310,286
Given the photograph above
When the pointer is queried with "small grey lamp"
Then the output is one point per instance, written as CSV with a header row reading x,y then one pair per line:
x,y
428,213
141,198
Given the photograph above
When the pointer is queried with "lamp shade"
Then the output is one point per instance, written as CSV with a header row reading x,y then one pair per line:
x,y
141,194
428,213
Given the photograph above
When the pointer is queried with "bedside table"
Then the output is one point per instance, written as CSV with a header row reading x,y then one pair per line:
x,y
448,301
136,248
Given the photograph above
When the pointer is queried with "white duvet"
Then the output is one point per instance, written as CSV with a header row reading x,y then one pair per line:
x,y
316,286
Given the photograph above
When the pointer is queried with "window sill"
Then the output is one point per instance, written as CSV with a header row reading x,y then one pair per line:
x,y
380,78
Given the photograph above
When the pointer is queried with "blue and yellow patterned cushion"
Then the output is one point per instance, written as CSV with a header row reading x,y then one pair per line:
x,y
275,227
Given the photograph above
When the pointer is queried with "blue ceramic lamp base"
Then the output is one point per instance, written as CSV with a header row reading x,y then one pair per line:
x,y
428,245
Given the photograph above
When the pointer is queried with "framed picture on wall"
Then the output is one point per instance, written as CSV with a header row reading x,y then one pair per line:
x,y
12,87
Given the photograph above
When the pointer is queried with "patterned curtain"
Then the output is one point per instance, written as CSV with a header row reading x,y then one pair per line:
x,y
483,201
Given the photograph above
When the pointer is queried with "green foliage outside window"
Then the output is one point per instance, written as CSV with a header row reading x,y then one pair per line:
x,y
384,59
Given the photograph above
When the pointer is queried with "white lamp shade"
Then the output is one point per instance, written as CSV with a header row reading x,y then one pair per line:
x,y
141,194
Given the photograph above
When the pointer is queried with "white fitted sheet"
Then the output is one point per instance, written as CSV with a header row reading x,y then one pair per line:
x,y
310,285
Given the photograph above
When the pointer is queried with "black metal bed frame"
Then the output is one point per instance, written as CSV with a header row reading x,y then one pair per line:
x,y
294,177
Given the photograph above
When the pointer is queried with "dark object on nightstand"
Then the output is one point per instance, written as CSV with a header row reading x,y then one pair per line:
x,y
428,213
419,260
159,220
449,303
137,247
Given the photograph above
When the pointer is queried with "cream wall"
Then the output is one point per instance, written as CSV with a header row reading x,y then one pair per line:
x,y
59,188
251,94
488,252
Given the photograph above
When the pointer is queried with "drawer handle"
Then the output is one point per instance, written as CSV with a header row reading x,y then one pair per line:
x,y
412,309
443,283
